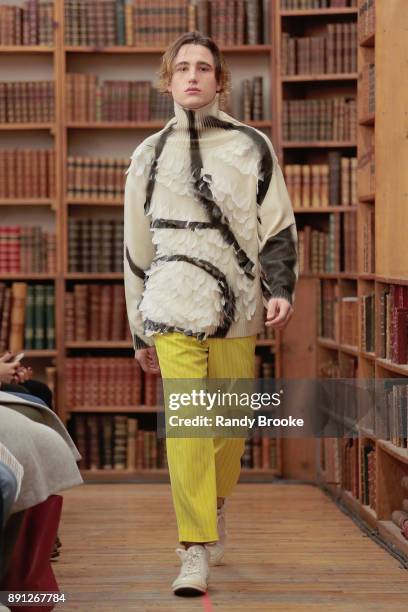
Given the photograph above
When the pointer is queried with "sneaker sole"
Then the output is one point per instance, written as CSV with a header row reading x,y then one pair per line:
x,y
189,591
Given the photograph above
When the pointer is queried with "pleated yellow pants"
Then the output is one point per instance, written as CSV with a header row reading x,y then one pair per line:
x,y
202,469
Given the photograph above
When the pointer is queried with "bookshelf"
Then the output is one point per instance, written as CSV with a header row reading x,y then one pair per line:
x,y
296,34
36,135
100,139
381,215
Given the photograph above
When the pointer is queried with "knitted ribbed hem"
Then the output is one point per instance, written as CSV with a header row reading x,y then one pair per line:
x,y
281,293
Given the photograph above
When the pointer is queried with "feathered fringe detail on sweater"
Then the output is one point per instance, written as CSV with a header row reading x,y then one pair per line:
x,y
179,294
209,244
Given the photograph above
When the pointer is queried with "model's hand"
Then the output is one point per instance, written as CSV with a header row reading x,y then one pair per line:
x,y
279,313
8,369
147,358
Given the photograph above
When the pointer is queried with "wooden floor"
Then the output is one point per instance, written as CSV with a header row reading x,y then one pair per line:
x,y
290,548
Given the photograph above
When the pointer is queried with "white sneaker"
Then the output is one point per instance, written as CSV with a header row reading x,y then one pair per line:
x,y
217,550
194,573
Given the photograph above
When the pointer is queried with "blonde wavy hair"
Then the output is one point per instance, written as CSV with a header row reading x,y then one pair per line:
x,y
222,73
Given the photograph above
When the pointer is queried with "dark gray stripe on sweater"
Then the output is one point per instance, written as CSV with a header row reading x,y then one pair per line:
x,y
204,196
266,156
176,224
135,269
153,168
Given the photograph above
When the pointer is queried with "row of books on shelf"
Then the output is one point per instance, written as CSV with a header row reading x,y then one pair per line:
x,y
320,119
92,313
252,99
118,100
95,245
323,185
123,100
27,173
393,323
110,381
27,249
120,381
31,23
260,452
358,474
145,23
315,4
118,442
27,102
352,464
395,413
324,251
335,52
366,95
96,312
229,23
366,18
338,315
27,316
96,178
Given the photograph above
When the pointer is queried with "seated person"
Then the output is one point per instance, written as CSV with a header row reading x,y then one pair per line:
x,y
17,378
11,475
39,441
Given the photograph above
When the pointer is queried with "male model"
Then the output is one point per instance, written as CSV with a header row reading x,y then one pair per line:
x,y
210,239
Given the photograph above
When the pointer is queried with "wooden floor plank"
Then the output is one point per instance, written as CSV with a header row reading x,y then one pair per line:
x,y
290,548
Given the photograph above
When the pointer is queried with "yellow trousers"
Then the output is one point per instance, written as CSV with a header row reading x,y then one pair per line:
x,y
202,469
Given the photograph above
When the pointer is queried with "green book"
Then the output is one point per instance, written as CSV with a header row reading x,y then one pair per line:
x,y
120,22
29,319
39,318
50,317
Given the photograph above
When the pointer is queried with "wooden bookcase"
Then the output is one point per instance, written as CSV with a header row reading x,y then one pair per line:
x,y
74,135
300,346
386,199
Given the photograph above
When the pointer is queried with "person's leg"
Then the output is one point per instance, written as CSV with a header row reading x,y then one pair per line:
x,y
9,388
230,358
190,460
41,390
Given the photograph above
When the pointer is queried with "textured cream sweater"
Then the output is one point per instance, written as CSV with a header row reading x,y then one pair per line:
x,y
209,230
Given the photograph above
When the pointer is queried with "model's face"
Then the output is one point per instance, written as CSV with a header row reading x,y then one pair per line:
x,y
193,83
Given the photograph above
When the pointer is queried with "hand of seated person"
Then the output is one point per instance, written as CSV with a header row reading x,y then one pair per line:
x,y
22,375
8,369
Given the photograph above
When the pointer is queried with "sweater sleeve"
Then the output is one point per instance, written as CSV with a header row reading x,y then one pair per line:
x,y
278,243
138,246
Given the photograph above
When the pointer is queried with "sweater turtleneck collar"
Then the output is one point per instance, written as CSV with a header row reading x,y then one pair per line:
x,y
196,118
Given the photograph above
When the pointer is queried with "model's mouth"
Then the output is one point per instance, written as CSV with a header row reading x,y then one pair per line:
x,y
192,90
